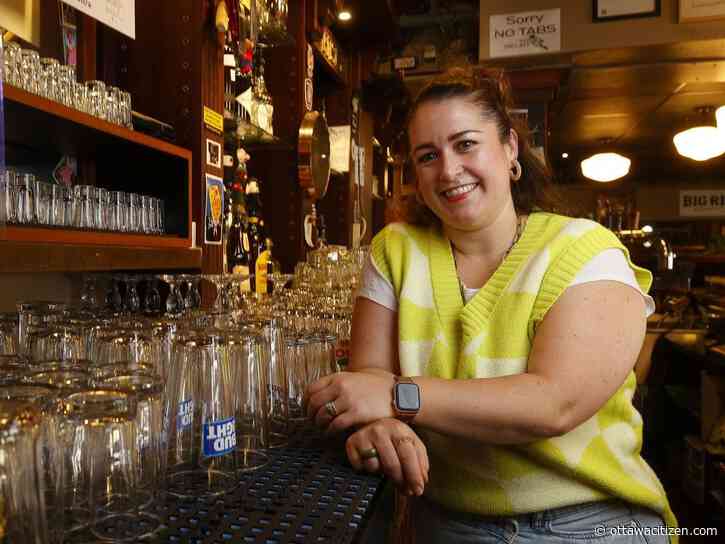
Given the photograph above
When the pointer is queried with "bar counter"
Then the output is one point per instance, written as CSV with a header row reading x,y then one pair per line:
x,y
308,492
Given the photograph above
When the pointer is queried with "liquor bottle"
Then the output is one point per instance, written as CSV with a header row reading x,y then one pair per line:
x,y
237,255
256,248
266,264
253,199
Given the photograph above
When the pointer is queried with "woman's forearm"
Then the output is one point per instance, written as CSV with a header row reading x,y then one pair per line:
x,y
509,410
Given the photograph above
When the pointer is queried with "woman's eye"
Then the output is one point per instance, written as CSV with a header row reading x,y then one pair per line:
x,y
426,157
463,145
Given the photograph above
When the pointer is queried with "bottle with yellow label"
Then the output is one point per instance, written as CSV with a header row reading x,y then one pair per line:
x,y
266,264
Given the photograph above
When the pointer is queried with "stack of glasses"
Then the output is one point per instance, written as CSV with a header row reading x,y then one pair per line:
x,y
120,411
25,200
49,78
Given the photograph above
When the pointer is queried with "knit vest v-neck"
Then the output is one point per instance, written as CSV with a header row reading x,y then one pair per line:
x,y
491,336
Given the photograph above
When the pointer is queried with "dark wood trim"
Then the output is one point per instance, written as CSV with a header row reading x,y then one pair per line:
x,y
83,237
56,109
35,257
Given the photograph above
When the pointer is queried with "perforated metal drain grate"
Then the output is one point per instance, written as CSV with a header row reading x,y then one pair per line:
x,y
306,493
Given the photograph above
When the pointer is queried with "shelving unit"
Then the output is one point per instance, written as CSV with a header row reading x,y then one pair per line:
x,y
122,159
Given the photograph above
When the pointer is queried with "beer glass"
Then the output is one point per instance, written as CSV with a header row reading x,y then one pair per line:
x,y
21,488
200,417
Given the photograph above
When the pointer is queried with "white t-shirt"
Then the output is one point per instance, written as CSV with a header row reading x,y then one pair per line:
x,y
610,264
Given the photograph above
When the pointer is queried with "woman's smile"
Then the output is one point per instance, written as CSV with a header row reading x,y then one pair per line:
x,y
459,193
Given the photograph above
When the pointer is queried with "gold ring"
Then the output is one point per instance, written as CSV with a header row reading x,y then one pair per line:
x,y
370,453
331,408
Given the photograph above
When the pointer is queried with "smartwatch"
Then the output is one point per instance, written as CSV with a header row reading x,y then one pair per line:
x,y
406,398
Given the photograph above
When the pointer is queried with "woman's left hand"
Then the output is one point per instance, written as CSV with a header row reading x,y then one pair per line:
x,y
346,399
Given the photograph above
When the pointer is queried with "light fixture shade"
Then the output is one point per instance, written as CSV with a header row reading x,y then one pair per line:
x,y
605,167
700,143
720,117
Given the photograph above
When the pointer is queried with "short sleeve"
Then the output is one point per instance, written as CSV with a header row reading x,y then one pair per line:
x,y
612,265
374,286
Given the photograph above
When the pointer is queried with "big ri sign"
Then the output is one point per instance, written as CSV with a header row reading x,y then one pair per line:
x,y
702,203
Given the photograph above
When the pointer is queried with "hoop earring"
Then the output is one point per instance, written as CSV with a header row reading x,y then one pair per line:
x,y
516,170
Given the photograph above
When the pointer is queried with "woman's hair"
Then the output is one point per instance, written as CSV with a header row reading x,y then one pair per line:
x,y
490,91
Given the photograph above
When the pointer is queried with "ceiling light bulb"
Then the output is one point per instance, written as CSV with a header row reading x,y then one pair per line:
x,y
565,155
344,15
700,143
605,167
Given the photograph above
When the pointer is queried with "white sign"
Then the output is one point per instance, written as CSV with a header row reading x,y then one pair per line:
x,y
525,33
118,14
703,203
340,148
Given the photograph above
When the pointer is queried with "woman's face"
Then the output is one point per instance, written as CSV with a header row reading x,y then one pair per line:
x,y
462,168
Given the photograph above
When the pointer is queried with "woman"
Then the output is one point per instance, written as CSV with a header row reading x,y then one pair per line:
x,y
519,329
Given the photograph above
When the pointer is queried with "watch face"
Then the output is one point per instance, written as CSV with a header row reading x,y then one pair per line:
x,y
408,397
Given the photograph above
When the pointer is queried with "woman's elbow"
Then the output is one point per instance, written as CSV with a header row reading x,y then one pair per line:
x,y
556,422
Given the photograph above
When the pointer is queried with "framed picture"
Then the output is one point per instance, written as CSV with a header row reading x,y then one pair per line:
x,y
213,153
614,10
693,11
213,210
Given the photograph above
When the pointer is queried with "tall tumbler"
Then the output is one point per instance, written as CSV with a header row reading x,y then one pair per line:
x,y
275,370
200,417
150,445
251,409
8,196
23,512
36,314
52,442
296,376
104,461
118,211
26,199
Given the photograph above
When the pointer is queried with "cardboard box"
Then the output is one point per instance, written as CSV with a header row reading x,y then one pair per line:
x,y
712,405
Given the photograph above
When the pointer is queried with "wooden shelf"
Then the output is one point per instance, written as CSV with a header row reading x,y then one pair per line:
x,y
82,237
38,131
54,257
23,108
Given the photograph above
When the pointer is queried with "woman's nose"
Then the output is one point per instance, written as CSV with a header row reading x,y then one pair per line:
x,y
450,167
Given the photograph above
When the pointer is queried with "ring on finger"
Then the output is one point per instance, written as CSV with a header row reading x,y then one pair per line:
x,y
330,408
369,453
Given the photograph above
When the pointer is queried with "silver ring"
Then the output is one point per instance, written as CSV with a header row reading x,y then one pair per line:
x,y
331,408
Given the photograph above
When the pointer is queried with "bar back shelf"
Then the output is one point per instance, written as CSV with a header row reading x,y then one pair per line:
x,y
40,131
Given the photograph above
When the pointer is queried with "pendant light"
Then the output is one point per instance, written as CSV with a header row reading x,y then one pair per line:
x,y
344,14
704,142
720,117
605,167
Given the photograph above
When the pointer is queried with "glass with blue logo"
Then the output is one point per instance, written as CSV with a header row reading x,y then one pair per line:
x,y
200,417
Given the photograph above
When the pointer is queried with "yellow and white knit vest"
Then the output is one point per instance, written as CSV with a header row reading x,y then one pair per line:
x,y
491,336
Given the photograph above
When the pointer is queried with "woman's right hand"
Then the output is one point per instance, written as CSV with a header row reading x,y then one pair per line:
x,y
401,455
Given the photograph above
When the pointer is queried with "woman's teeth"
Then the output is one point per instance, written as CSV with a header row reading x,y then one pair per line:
x,y
460,190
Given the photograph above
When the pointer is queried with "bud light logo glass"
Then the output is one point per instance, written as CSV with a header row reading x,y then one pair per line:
x,y
185,417
220,437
